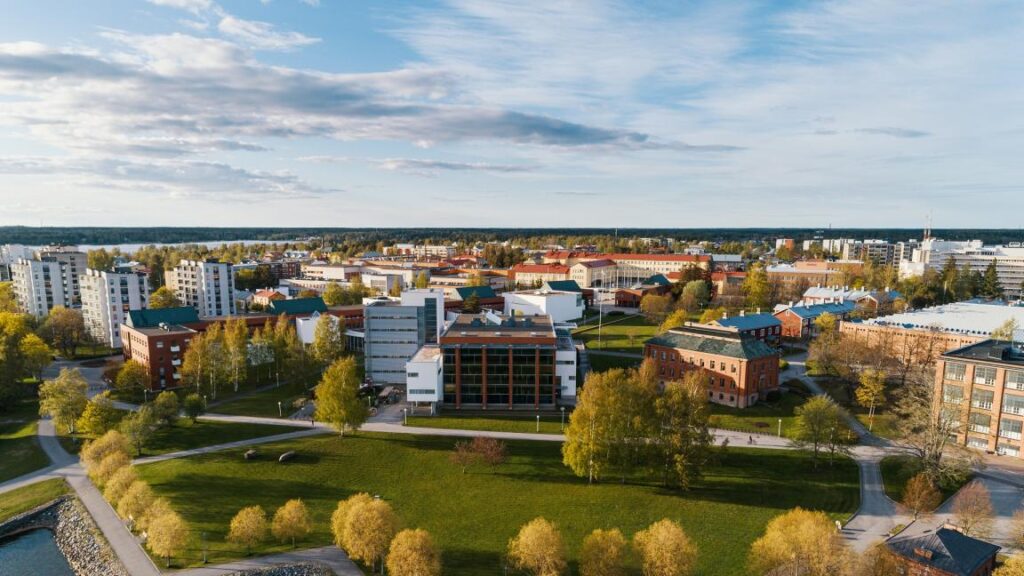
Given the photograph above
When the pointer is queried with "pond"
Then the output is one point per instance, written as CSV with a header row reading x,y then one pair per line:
x,y
33,552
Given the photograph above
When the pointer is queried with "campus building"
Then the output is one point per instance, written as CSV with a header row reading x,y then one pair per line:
x,y
157,339
944,552
395,329
206,285
107,297
740,369
761,326
561,306
981,386
974,254
798,320
73,264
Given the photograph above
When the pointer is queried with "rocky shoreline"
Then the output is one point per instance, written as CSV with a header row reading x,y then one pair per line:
x,y
301,569
76,535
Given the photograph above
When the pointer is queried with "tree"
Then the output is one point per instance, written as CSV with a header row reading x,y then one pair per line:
x,y
880,561
65,329
8,302
1005,330
756,288
603,553
236,346
328,340
674,320
471,305
712,314
35,354
800,542
920,495
463,455
163,297
413,553
339,518
665,550
1014,566
136,501
138,427
337,396
683,441
118,484
64,398
422,280
100,260
167,535
109,466
93,452
871,392
817,422
248,527
99,415
972,508
990,286
585,450
132,376
655,308
480,449
334,295
927,432
291,521
166,408
369,529
194,406
698,291
538,549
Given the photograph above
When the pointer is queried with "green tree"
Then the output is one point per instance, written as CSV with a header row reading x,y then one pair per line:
x,y
698,291
328,339
236,347
99,415
64,398
422,280
65,329
138,427
712,314
676,319
337,396
819,423
756,288
683,442
100,260
163,297
194,406
655,308
990,286
334,294
871,392
35,354
166,408
132,376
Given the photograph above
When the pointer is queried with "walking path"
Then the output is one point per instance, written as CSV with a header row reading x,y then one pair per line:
x,y
332,556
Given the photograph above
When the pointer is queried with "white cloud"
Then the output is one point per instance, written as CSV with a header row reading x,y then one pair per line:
x,y
194,6
432,168
261,35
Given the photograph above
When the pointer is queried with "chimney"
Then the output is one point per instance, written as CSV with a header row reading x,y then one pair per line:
x,y
743,312
725,315
758,309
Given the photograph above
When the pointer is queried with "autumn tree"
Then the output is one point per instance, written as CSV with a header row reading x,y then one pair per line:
x,y
334,294
756,288
603,553
291,522
665,550
163,297
972,509
138,427
248,528
118,484
94,451
35,355
65,328
683,442
99,415
920,495
655,308
800,542
463,455
236,347
413,553
328,340
1013,566
136,501
369,529
1005,330
927,432
64,398
132,376
471,305
818,424
538,549
337,396
167,535
339,518
880,561
106,468
871,392
422,280
674,320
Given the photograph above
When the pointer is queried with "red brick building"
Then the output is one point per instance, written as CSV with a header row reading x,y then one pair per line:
x,y
944,552
740,370
798,321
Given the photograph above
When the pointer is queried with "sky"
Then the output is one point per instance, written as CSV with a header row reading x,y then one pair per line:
x,y
511,113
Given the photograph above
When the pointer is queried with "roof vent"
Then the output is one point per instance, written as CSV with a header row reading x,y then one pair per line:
x,y
923,553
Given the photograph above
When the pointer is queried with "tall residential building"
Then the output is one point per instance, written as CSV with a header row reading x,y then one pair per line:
x,y
74,265
39,285
396,329
9,254
206,285
107,297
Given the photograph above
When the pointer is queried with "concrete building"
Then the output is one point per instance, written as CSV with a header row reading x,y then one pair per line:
x,y
9,254
807,273
934,253
594,273
981,388
206,285
39,285
74,265
537,274
420,250
560,306
395,330
740,370
107,298
326,272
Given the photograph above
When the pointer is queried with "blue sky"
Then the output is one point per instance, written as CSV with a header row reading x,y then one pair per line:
x,y
511,113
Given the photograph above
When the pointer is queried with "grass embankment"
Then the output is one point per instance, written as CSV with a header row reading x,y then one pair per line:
x,y
20,452
28,497
618,334
472,516
896,470
550,423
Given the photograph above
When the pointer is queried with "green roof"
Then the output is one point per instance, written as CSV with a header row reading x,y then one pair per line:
x,y
657,280
298,306
480,291
711,341
155,316
563,285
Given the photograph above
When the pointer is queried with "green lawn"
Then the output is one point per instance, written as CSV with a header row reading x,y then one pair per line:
x,y
526,422
20,452
896,470
263,403
762,417
28,497
600,363
472,516
884,426
621,335
843,393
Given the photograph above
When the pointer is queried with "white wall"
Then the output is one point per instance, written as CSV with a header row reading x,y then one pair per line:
x,y
566,372
561,306
423,380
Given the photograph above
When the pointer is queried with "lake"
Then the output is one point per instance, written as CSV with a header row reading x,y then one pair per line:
x,y
33,552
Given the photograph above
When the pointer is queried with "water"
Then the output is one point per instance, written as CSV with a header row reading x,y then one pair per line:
x,y
33,552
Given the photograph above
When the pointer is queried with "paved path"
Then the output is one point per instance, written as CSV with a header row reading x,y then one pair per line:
x,y
329,555
230,445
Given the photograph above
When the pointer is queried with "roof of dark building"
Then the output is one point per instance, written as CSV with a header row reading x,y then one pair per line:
x,y
563,285
714,340
991,350
946,550
298,306
150,317
481,292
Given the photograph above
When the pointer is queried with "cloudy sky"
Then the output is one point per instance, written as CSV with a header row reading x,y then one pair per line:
x,y
511,113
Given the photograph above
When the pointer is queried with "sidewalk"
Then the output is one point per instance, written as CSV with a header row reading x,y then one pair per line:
x,y
329,555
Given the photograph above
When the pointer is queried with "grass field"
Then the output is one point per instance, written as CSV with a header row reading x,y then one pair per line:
x,y
600,363
19,450
621,335
263,403
842,392
762,417
26,498
472,516
527,422
896,470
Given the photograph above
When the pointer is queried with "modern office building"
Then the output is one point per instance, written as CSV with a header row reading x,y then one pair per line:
x,y
934,253
981,387
107,297
740,369
39,285
206,285
396,329
561,306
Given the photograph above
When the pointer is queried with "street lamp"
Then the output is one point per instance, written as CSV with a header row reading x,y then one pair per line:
x,y
405,416
280,412
538,422
563,418
780,427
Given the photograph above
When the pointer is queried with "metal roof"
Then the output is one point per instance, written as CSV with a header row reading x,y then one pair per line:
x,y
713,340
480,291
815,310
946,550
298,306
750,321
563,285
151,317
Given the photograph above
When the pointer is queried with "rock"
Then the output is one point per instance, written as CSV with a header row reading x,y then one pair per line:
x,y
300,569
290,455
250,454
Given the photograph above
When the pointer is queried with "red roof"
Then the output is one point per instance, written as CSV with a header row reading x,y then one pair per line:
x,y
598,263
668,257
540,269
268,294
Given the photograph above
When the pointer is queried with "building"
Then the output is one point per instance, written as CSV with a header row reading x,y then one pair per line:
x,y
787,243
157,339
802,274
594,273
485,296
492,361
74,265
9,254
537,274
420,251
629,269
944,552
798,320
561,306
107,298
40,285
934,253
740,370
765,327
327,272
395,330
657,285
265,297
206,285
981,387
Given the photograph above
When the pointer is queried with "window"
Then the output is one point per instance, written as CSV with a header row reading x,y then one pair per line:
x,y
980,423
1013,404
952,394
984,375
413,375
982,399
1015,379
955,371
979,443
1010,429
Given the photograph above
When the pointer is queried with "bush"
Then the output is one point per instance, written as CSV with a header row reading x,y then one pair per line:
x,y
783,364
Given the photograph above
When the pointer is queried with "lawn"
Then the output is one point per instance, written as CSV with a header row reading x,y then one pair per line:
x,y
620,335
262,403
28,497
20,452
472,516
600,362
896,470
550,423
762,417
843,393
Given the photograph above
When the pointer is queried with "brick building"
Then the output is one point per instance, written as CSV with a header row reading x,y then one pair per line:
x,y
944,552
798,321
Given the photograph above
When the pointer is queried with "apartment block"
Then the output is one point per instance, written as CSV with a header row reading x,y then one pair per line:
x,y
206,285
107,298
74,265
40,285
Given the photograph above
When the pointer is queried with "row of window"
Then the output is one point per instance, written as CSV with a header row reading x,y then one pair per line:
x,y
983,375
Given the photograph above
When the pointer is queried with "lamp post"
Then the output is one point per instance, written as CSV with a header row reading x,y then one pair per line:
x,y
280,412
780,427
278,373
405,416
563,418
538,422
145,395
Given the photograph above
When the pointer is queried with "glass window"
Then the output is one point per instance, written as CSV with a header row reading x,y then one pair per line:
x,y
1013,404
1010,429
984,375
952,394
982,399
979,422
955,371
1015,379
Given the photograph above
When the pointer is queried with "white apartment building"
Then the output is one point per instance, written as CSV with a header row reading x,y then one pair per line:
x,y
934,253
39,285
9,254
106,299
206,285
420,250
74,262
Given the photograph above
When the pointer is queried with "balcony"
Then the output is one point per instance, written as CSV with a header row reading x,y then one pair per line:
x,y
1013,409
979,428
1009,434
